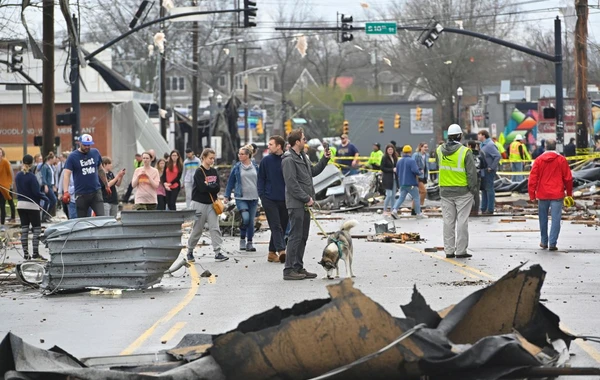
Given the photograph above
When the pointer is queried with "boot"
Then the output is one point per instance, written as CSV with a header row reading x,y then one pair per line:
x,y
273,257
282,257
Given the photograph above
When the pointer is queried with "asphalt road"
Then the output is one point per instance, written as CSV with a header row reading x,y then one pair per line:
x,y
140,321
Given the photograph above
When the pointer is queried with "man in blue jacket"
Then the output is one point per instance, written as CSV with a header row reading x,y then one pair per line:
x,y
492,158
408,172
271,190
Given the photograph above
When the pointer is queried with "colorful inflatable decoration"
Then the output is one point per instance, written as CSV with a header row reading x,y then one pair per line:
x,y
520,124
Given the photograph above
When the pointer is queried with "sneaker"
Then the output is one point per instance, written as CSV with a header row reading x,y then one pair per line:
x,y
413,212
243,245
190,257
422,216
464,256
250,247
553,248
282,257
272,257
293,275
2,228
394,214
307,273
450,255
220,257
543,246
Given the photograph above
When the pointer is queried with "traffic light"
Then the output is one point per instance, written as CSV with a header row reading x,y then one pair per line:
x,y
288,126
16,58
428,37
259,127
346,28
380,125
249,13
419,113
346,128
397,121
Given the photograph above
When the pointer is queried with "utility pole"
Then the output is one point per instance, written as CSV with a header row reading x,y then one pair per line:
x,y
558,68
24,117
245,67
194,144
163,89
581,62
48,78
75,89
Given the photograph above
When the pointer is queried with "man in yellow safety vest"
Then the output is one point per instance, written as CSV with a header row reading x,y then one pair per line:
x,y
518,152
458,185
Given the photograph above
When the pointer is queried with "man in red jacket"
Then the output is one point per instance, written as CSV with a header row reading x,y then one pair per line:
x,y
549,180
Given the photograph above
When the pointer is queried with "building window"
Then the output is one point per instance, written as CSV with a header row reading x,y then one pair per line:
x,y
239,82
395,88
168,84
222,81
175,84
181,84
263,82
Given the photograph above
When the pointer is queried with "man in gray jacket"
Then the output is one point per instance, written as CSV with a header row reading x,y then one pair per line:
x,y
299,195
492,158
458,185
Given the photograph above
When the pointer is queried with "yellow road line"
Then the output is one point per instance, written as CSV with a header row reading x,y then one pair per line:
x,y
586,347
174,330
195,278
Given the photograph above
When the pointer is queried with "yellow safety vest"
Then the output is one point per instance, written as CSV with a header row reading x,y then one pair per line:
x,y
375,158
500,147
333,151
452,168
514,151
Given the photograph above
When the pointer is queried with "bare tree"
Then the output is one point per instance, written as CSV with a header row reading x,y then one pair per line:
x,y
454,60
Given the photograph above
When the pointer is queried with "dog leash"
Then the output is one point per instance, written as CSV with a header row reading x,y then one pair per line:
x,y
312,216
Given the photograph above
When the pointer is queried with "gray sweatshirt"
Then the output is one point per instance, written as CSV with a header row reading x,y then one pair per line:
x,y
472,183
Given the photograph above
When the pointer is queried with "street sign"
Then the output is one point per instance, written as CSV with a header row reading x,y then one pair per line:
x,y
381,28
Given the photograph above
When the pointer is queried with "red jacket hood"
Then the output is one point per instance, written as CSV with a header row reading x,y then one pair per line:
x,y
548,156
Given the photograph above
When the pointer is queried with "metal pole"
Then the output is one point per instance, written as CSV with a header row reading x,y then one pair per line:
x,y
245,64
376,71
560,129
458,109
211,121
581,75
195,86
24,118
75,91
163,89
48,78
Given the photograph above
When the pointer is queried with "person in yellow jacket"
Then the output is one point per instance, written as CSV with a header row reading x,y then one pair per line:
x,y
375,157
500,147
458,186
518,151
333,151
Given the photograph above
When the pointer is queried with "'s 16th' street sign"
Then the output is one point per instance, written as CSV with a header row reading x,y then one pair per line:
x,y
381,28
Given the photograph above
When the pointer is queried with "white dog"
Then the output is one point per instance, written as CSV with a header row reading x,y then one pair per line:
x,y
339,247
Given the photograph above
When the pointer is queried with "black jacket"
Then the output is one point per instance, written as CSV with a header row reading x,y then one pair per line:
x,y
387,167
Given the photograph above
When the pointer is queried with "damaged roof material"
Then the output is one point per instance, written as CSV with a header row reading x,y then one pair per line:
x,y
501,331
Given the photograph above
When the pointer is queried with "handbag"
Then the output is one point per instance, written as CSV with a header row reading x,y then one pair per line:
x,y
217,204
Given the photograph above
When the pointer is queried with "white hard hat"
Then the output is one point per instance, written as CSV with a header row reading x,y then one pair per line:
x,y
86,139
454,129
519,137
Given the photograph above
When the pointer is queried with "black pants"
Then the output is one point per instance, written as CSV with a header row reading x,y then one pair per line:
x,y
87,201
128,193
277,216
11,204
162,203
33,218
300,227
171,198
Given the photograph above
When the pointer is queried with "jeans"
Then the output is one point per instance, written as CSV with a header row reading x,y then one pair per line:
x,y
85,201
72,210
488,193
247,207
390,196
414,193
277,216
52,201
555,207
300,227
517,167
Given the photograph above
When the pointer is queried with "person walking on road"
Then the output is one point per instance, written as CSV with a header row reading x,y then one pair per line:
x,y
271,190
86,165
6,183
28,204
408,173
146,180
458,185
489,169
550,179
389,179
421,158
206,188
518,152
190,165
243,179
170,179
298,175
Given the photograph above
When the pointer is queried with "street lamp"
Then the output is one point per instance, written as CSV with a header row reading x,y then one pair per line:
x,y
459,94
211,100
